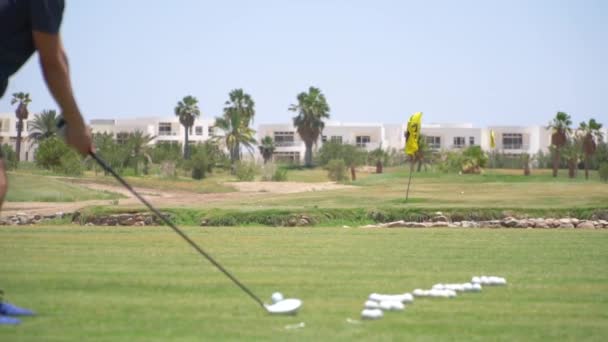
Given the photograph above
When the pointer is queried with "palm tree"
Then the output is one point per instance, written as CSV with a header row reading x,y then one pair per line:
x,y
187,110
238,114
572,151
267,148
44,125
22,113
561,129
590,132
312,108
138,144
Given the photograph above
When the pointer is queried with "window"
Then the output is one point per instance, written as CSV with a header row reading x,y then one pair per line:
x,y
362,141
164,128
198,130
5,125
284,138
210,130
336,139
324,138
459,142
122,137
512,141
287,157
433,142
471,141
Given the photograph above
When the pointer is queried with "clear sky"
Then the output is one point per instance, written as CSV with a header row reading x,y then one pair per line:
x,y
512,62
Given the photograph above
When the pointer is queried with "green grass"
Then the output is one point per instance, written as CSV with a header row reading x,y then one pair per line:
x,y
120,284
494,189
35,188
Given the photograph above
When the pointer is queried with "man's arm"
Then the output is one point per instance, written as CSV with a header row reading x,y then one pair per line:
x,y
54,64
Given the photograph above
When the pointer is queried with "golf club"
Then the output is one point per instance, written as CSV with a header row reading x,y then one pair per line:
x,y
285,306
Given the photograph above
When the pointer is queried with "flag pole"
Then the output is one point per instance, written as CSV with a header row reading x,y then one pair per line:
x,y
407,194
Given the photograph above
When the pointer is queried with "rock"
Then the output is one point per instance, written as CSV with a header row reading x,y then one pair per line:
x,y
575,221
522,224
89,224
509,222
439,224
440,218
419,225
395,224
370,226
541,224
604,223
565,221
292,222
303,222
585,224
566,225
139,223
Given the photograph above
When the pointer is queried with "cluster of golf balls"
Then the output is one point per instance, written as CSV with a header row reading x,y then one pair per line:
x,y
377,304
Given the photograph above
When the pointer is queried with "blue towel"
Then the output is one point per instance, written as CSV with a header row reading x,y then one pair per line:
x,y
13,310
5,320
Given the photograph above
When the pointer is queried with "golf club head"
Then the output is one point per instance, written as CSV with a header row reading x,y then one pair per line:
x,y
289,306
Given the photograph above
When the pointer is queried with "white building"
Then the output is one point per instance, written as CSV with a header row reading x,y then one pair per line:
x,y
451,136
161,129
290,147
8,135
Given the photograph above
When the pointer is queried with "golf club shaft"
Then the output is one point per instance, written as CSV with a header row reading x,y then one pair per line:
x,y
107,167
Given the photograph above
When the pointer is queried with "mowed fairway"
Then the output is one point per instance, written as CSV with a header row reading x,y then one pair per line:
x,y
145,284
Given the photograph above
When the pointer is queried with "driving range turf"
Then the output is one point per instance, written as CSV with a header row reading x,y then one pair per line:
x,y
145,284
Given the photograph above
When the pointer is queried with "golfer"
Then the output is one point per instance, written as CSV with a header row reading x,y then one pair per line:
x,y
27,26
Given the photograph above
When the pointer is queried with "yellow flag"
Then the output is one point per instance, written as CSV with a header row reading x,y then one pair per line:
x,y
413,130
492,139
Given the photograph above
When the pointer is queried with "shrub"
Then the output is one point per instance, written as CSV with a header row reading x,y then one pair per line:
x,y
450,162
70,164
10,157
280,175
603,171
50,152
337,170
199,163
245,171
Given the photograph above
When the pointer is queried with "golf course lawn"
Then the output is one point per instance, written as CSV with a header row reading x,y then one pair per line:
x,y
145,284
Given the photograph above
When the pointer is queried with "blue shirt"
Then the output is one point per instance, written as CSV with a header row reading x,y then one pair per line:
x,y
18,18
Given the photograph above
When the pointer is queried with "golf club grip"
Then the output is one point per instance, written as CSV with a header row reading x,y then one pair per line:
x,y
107,167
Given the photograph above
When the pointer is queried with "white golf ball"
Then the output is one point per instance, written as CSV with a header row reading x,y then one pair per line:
x,y
370,304
386,305
398,306
371,314
375,296
276,297
407,298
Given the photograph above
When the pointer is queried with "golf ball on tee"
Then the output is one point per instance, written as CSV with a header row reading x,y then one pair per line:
x,y
276,297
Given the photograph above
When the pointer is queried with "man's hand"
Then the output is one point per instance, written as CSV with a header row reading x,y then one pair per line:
x,y
78,136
